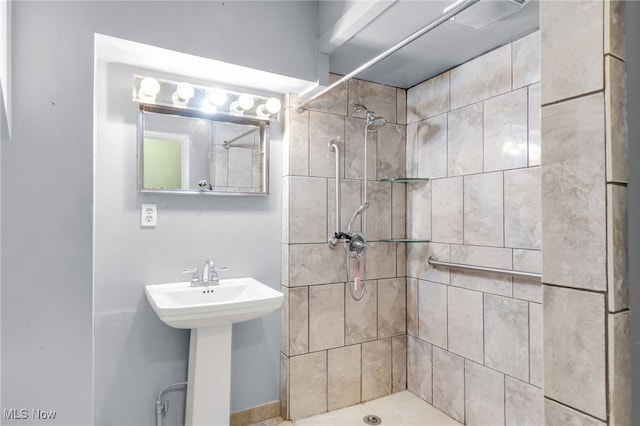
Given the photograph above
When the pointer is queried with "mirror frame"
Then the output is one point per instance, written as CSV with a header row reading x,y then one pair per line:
x,y
263,126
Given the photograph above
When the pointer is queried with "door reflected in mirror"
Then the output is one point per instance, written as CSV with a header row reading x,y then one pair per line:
x,y
184,152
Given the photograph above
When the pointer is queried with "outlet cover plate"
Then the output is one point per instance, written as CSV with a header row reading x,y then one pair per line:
x,y
148,215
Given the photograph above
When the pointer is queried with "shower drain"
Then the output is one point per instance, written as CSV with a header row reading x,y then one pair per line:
x,y
370,419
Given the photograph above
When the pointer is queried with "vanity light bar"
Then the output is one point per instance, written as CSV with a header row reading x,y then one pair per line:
x,y
212,100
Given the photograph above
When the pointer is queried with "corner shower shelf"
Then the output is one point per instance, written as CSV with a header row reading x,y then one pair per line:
x,y
404,180
405,240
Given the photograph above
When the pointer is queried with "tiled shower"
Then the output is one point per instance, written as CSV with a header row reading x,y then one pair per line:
x,y
337,352
525,149
471,345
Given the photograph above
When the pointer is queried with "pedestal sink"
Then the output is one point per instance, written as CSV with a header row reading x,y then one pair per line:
x,y
209,312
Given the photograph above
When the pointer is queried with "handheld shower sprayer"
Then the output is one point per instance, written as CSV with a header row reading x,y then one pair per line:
x,y
356,213
356,243
356,247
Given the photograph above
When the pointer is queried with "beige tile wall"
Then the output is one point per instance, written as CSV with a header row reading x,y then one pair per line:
x,y
522,403
475,132
584,185
573,177
484,395
472,344
337,351
448,383
558,414
343,381
575,346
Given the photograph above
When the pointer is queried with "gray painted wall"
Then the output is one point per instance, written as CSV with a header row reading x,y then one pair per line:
x,y
632,17
135,354
4,139
47,186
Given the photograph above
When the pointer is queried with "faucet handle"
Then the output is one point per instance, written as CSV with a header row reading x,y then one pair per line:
x,y
194,275
221,268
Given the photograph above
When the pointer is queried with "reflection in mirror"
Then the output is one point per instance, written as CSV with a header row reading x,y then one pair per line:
x,y
184,152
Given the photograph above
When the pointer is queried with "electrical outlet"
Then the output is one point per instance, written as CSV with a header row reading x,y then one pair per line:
x,y
148,215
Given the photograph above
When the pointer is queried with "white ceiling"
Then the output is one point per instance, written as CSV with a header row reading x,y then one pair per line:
x,y
355,31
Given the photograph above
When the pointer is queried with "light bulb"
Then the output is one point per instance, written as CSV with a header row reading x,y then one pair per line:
x,y
245,101
149,87
235,108
217,96
262,111
184,92
144,98
273,105
177,101
206,106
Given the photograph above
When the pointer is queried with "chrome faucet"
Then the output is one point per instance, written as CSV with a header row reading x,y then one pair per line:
x,y
209,274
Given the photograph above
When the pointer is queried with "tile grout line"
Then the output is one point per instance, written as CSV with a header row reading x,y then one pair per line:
x,y
571,98
504,222
529,339
511,66
308,319
308,114
432,369
614,56
607,77
326,380
482,153
464,391
500,170
484,356
619,311
504,399
574,408
463,217
446,296
528,126
602,292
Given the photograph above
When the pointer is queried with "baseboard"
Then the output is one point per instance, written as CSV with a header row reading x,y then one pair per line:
x,y
256,414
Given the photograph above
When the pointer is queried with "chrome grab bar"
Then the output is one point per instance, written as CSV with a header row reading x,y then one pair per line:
x,y
433,261
335,239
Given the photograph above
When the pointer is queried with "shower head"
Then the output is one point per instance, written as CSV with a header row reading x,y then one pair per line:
x,y
373,122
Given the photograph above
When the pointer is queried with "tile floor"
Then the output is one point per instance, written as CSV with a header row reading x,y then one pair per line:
x,y
399,409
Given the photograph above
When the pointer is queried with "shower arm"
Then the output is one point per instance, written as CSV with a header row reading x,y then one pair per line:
x,y
455,9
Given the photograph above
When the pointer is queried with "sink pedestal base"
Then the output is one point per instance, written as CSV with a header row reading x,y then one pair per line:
x,y
209,385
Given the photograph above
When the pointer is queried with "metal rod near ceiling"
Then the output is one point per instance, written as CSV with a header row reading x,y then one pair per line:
x,y
455,9
228,143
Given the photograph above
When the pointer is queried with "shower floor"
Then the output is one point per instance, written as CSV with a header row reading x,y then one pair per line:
x,y
399,409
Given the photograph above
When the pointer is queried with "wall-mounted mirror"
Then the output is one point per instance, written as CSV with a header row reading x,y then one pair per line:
x,y
184,151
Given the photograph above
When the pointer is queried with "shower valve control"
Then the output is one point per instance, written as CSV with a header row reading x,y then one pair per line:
x,y
148,215
342,236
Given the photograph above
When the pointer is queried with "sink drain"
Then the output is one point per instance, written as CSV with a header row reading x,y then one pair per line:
x,y
370,419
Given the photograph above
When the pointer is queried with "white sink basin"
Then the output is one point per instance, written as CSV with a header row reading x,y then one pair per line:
x,y
239,299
